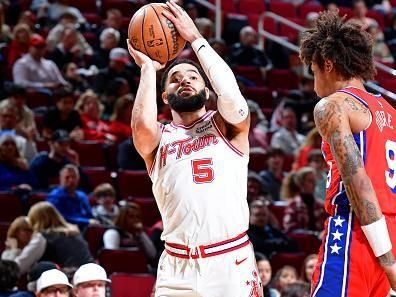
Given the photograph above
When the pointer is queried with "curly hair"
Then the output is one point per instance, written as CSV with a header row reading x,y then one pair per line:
x,y
345,44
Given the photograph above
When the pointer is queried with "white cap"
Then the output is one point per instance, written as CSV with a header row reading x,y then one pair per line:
x,y
51,278
89,272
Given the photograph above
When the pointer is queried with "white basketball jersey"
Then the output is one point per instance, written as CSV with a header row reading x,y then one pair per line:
x,y
200,184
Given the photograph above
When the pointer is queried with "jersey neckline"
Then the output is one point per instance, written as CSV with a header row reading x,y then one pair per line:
x,y
186,127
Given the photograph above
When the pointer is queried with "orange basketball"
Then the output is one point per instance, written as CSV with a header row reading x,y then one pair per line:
x,y
154,35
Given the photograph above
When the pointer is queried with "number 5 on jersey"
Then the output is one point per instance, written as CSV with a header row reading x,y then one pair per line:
x,y
202,170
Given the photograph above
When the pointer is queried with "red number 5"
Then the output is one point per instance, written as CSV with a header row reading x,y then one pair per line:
x,y
202,171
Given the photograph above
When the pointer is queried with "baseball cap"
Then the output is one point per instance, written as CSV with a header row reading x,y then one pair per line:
x,y
51,278
89,272
119,54
39,268
60,135
37,40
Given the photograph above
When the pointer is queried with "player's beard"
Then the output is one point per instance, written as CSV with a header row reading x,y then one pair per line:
x,y
187,104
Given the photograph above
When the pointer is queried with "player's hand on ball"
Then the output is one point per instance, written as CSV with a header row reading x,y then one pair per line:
x,y
182,21
141,58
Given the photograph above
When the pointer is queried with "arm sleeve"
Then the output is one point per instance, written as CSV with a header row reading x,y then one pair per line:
x,y
111,239
31,253
231,104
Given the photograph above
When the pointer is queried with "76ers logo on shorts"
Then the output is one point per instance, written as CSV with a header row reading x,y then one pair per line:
x,y
155,42
256,290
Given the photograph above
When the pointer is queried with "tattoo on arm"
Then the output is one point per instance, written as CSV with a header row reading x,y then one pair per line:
x,y
387,259
355,106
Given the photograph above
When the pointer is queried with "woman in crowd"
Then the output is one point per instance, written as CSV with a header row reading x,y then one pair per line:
x,y
129,232
308,267
53,240
120,120
312,142
265,273
18,236
19,45
285,276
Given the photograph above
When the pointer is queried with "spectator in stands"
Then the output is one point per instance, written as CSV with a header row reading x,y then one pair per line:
x,y
54,240
303,211
25,126
257,135
35,273
296,289
255,190
18,236
8,125
128,158
381,51
90,280
67,19
107,209
220,47
68,49
114,20
53,10
70,202
14,169
245,53
312,141
35,72
265,238
318,163
63,116
47,165
359,15
90,110
117,88
53,283
9,276
78,83
273,176
5,31
285,276
120,120
205,26
19,44
265,273
308,267
129,231
156,232
192,11
109,39
119,66
287,138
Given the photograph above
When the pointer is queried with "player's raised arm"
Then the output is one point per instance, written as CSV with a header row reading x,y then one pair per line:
x,y
146,130
333,125
231,104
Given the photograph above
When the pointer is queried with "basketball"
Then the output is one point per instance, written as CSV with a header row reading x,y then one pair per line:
x,y
154,35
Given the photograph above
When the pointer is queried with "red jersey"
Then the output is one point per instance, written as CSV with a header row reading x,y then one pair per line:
x,y
377,145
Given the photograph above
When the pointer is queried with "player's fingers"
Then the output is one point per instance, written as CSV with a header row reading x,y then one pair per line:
x,y
174,7
169,16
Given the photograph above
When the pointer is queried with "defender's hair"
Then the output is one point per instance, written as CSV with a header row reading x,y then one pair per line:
x,y
345,44
183,61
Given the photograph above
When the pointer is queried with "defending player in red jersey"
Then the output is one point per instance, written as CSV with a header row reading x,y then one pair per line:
x,y
359,145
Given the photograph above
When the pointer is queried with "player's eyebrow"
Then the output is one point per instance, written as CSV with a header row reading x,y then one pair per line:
x,y
176,72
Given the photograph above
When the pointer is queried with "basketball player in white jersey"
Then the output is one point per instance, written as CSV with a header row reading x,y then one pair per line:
x,y
198,166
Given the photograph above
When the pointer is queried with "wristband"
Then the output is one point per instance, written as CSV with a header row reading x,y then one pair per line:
x,y
378,237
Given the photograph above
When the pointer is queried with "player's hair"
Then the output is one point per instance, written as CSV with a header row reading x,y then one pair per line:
x,y
183,61
345,44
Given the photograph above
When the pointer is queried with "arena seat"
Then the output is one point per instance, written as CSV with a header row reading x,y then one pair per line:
x,y
135,183
262,95
85,6
285,9
277,208
36,99
97,175
128,261
91,153
136,285
94,236
345,11
10,207
308,7
307,242
150,212
389,84
289,32
36,197
292,259
127,8
257,161
252,73
252,7
282,79
226,6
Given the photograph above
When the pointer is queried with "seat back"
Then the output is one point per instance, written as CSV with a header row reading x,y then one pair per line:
x,y
127,285
129,261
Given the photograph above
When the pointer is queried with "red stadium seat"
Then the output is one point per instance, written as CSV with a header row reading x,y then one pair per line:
x,y
134,183
10,207
252,6
307,242
227,6
277,208
127,285
85,6
289,32
345,11
378,17
97,175
279,79
36,99
251,73
257,161
127,8
389,84
91,153
150,212
94,236
262,95
285,9
308,7
292,259
129,261
37,197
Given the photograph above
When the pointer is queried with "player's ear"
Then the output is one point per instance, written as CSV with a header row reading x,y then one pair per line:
x,y
328,65
206,93
164,97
